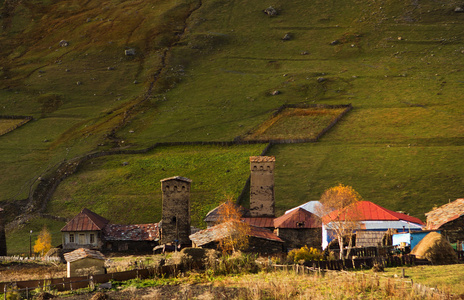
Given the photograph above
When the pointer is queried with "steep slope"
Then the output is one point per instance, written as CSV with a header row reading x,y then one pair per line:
x,y
205,71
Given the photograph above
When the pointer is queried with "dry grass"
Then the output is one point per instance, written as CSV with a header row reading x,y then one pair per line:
x,y
30,271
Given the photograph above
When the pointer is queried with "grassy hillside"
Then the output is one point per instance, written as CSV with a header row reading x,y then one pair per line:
x,y
206,70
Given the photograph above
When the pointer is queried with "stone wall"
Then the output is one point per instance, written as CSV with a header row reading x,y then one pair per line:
x,y
297,238
264,247
454,230
175,222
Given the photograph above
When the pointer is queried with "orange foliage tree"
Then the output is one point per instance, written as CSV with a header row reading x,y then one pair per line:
x,y
43,242
237,231
339,215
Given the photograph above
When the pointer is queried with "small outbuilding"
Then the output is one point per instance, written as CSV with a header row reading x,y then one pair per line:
x,y
83,261
449,219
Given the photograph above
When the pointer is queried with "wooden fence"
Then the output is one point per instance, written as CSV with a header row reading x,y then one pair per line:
x,y
29,259
74,283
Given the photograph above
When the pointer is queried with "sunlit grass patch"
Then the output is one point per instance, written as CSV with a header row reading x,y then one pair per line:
x,y
10,124
296,123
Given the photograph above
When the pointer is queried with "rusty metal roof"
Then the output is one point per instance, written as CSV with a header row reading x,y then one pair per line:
x,y
298,218
213,215
445,214
176,178
223,230
262,158
260,222
86,220
82,253
136,232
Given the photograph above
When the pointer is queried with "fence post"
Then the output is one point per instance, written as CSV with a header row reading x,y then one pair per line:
x,y
4,292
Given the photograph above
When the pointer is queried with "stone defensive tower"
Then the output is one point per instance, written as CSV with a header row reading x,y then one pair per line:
x,y
262,201
175,222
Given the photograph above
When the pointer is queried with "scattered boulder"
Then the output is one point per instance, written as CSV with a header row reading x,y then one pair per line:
x,y
274,93
459,9
287,37
105,286
436,249
270,11
321,79
79,83
335,42
63,43
129,52
304,53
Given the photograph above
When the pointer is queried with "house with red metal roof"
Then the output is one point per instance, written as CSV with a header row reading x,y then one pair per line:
x,y
368,216
449,219
298,228
92,231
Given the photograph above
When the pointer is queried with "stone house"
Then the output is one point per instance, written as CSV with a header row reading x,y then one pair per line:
x,y
262,199
299,228
449,219
83,262
260,240
85,230
91,231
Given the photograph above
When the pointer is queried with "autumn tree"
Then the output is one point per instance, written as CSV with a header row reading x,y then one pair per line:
x,y
236,237
339,212
43,242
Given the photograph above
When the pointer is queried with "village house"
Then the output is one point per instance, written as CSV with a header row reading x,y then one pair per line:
x,y
260,240
370,217
92,231
449,219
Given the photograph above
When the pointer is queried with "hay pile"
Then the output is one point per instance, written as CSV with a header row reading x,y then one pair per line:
x,y
435,248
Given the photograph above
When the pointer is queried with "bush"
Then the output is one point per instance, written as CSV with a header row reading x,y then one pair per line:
x,y
236,263
304,254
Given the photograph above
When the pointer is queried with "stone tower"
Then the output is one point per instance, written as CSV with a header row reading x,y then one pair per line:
x,y
262,202
175,222
2,234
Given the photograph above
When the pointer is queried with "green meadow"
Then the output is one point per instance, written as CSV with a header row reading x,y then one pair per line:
x,y
207,71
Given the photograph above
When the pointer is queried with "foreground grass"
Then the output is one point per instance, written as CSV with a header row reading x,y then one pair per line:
x,y
448,279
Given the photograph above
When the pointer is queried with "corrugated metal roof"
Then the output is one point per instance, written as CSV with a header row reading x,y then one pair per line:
x,y
176,178
223,230
86,220
298,218
311,206
213,215
136,232
260,222
367,211
262,158
83,253
445,214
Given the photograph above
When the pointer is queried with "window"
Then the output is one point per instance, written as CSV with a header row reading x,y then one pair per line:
x,y
81,238
92,238
71,237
